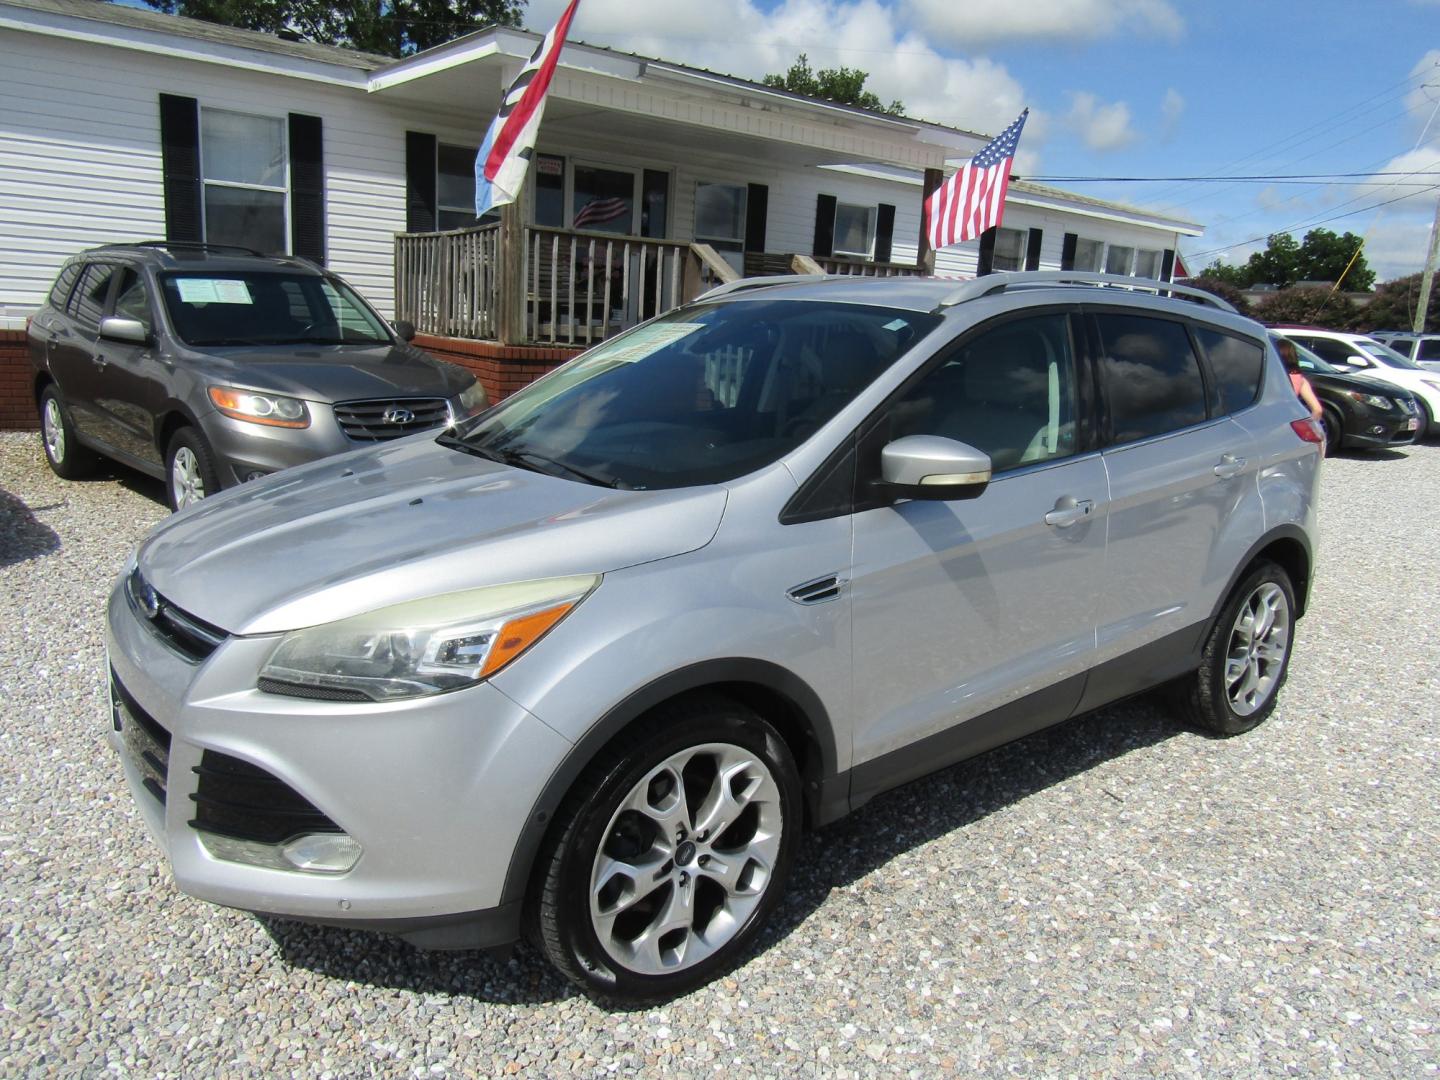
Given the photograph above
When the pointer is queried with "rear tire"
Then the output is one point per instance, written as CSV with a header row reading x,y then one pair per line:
x,y
671,852
190,472
63,452
1246,656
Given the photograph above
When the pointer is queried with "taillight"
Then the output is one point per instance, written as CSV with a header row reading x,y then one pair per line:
x,y
1309,429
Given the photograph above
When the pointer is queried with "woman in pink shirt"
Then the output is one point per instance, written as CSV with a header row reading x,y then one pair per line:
x,y
1298,382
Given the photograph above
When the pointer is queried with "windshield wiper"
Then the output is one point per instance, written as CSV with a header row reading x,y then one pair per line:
x,y
525,459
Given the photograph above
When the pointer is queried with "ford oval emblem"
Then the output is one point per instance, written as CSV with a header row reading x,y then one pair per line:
x,y
396,415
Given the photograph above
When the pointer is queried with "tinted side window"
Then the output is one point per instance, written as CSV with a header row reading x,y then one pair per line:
x,y
87,303
1152,378
1236,364
133,301
1429,349
60,293
1009,391
1335,351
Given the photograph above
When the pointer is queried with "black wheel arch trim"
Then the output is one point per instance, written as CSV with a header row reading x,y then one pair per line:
x,y
818,777
1286,532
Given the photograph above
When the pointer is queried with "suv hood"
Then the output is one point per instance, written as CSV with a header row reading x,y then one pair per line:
x,y
1349,381
411,519
332,373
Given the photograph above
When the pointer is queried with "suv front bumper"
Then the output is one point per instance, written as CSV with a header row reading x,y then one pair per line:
x,y
435,791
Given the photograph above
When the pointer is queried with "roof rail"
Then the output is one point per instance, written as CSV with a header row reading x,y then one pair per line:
x,y
741,284
187,245
996,283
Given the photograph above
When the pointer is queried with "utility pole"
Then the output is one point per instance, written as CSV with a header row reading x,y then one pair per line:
x,y
1427,279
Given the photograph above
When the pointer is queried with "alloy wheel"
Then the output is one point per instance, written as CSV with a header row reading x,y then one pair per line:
x,y
187,482
686,858
1259,644
53,430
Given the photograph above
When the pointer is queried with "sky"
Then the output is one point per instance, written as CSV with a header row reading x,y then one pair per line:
x,y
1132,88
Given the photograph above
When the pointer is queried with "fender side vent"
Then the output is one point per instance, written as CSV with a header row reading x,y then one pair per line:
x,y
817,591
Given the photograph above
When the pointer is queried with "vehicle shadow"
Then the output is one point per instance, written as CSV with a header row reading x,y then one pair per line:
x,y
829,859
22,536
1373,455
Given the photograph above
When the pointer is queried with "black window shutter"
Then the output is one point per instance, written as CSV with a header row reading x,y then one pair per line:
x,y
180,166
1167,265
825,225
987,252
307,187
757,213
884,231
420,210
1067,251
1032,249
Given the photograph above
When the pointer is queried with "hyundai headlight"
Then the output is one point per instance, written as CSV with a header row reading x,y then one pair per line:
x,y
421,647
273,410
472,400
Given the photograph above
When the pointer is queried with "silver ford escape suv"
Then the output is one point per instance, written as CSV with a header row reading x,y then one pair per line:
x,y
207,365
587,665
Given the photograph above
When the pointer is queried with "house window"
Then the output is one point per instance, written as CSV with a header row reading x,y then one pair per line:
x,y
1088,254
1147,263
854,230
720,220
550,191
246,178
454,187
603,200
1118,259
1009,251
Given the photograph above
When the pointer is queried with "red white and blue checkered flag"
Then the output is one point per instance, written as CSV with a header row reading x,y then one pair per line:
x,y
509,144
973,199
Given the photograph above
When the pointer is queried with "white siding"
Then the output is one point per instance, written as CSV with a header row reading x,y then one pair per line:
x,y
80,158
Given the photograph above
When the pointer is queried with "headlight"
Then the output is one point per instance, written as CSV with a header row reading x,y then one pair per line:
x,y
256,408
421,647
1374,400
473,400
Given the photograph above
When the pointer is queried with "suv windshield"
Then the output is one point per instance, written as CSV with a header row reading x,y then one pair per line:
x,y
1386,355
700,396
266,308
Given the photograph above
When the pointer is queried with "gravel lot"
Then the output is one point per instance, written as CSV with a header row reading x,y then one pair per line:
x,y
1114,897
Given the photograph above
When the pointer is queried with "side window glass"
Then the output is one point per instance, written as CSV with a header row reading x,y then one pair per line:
x,y
1009,391
133,302
1152,379
1329,350
1237,365
63,284
87,303
1429,349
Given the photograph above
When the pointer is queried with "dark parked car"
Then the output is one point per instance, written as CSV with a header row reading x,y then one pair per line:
x,y
207,366
1360,412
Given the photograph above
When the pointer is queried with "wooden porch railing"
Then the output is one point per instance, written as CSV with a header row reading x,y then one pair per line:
x,y
832,265
448,283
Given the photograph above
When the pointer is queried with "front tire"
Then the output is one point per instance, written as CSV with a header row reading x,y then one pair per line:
x,y
63,453
1334,430
190,472
671,852
1246,656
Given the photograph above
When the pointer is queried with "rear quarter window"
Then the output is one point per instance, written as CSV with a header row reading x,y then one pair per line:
x,y
87,303
60,291
1151,376
1237,365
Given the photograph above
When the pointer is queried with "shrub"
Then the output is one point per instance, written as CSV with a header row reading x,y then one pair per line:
x,y
1313,307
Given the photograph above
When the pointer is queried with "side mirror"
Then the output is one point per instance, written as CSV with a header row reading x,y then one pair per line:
x,y
933,467
116,328
404,329
1357,361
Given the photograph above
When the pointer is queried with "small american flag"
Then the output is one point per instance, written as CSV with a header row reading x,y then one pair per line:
x,y
599,211
973,200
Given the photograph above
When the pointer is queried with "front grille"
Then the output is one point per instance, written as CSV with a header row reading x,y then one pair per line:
x,y
236,799
390,418
311,693
147,742
194,639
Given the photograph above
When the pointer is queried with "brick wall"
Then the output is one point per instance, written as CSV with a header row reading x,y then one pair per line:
x,y
501,369
17,405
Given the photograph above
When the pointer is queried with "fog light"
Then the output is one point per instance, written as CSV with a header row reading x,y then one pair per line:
x,y
255,474
1377,430
322,853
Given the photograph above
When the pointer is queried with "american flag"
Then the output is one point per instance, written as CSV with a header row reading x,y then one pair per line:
x,y
973,200
599,211
505,154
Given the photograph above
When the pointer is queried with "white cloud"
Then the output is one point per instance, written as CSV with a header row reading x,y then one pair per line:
x,y
1172,106
1396,246
1103,127
1420,101
968,23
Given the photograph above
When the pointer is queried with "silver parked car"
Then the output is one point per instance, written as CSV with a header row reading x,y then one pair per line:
x,y
590,663
207,365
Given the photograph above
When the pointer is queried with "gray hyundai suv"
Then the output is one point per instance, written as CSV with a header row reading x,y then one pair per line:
x,y
586,666
207,366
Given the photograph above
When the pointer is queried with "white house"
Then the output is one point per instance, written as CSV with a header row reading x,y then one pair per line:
x,y
123,124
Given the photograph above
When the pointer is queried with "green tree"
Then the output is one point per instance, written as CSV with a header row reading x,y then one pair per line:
x,y
393,28
1223,288
1394,307
1237,277
1278,264
1310,306
842,84
1321,256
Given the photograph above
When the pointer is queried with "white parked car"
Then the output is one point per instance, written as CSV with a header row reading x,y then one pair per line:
x,y
1423,349
1360,352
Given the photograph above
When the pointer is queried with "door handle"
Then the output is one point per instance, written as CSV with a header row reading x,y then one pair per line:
x,y
1229,466
1068,510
